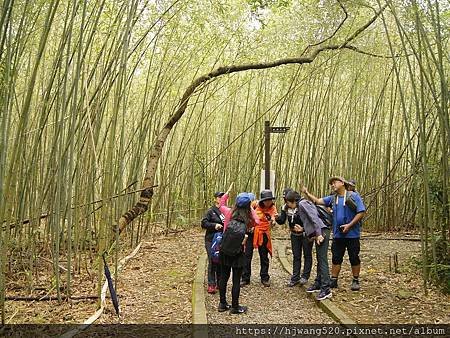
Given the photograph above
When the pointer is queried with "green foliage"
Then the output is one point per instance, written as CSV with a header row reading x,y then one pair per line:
x,y
437,193
441,268
440,271
263,4
102,95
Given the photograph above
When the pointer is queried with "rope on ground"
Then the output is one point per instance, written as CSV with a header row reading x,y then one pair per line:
x,y
99,312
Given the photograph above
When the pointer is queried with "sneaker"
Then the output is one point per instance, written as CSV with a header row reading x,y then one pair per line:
x,y
223,307
237,311
355,285
244,283
324,294
211,289
292,283
333,283
303,281
266,283
313,288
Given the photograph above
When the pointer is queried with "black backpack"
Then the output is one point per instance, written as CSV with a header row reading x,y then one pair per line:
x,y
325,215
232,238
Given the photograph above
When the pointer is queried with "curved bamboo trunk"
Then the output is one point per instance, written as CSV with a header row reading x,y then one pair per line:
x,y
149,180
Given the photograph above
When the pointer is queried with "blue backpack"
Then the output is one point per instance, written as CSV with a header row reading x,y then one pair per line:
x,y
215,247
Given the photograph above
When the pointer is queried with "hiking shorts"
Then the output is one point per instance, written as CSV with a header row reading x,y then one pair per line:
x,y
338,250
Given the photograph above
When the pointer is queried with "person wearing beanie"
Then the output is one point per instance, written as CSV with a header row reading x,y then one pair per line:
x,y
299,243
348,212
266,212
231,256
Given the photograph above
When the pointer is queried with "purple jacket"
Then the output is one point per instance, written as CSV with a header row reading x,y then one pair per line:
x,y
312,224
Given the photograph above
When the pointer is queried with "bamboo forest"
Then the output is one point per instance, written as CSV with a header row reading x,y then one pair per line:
x,y
235,162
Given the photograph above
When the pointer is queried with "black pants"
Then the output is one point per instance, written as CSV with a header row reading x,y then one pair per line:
x,y
213,268
263,257
235,289
299,244
338,250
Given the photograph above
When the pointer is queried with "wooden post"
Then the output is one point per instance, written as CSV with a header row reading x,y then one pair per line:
x,y
267,155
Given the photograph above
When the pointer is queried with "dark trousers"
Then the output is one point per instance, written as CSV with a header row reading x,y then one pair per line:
x,y
213,269
299,244
263,257
235,289
323,271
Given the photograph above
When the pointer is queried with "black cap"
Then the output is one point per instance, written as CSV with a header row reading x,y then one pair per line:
x,y
285,191
219,194
266,195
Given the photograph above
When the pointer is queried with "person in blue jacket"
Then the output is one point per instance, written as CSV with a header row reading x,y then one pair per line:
x,y
348,212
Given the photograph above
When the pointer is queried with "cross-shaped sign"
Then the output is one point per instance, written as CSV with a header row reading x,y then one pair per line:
x,y
279,130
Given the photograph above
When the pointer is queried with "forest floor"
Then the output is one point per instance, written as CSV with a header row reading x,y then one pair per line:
x,y
156,287
387,296
275,304
157,283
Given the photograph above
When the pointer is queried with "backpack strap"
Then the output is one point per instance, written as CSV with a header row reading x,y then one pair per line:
x,y
351,201
348,200
218,213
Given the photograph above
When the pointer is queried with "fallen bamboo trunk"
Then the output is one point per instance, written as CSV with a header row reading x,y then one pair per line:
x,y
99,312
47,298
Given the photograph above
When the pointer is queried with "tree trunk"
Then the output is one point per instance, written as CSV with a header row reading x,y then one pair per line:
x,y
146,195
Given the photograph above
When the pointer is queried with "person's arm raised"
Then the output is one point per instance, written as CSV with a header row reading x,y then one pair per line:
x,y
229,188
311,197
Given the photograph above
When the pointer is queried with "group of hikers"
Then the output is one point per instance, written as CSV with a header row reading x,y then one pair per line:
x,y
233,233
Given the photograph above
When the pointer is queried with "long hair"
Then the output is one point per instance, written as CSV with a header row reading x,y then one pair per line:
x,y
242,214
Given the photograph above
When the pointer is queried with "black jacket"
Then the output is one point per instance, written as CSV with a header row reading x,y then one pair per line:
x,y
292,216
212,217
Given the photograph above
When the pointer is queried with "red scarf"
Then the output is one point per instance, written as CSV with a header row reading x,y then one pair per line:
x,y
264,226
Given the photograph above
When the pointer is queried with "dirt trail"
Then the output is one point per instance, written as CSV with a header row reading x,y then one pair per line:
x,y
156,285
276,304
387,296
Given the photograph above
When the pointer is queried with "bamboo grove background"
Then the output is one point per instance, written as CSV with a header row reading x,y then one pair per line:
x,y
86,85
